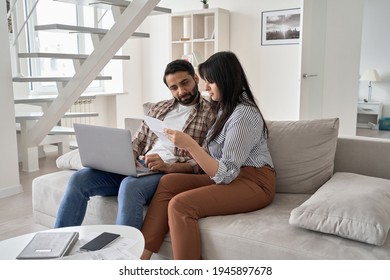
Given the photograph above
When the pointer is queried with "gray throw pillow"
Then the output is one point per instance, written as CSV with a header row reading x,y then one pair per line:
x,y
349,205
303,153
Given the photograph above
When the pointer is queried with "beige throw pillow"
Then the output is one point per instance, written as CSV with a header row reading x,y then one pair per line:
x,y
70,160
349,205
303,153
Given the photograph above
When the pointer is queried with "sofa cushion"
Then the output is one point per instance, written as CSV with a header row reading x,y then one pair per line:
x,y
349,205
47,193
303,153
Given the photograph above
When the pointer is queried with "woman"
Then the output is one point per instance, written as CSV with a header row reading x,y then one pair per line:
x,y
239,170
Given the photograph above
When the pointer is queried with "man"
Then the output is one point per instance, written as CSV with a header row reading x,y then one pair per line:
x,y
187,111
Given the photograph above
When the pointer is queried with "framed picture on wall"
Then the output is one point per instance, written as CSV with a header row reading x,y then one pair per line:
x,y
280,27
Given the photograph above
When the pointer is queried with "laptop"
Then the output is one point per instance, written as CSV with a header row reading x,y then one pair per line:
x,y
108,149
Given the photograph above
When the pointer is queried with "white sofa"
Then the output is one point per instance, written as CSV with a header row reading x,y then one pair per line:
x,y
331,192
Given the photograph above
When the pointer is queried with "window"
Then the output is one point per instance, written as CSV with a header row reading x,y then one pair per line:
x,y
56,12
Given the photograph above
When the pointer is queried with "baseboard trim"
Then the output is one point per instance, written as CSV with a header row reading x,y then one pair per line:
x,y
10,190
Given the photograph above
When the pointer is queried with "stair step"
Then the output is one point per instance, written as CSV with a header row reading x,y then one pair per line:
x,y
57,130
37,115
61,130
107,4
31,99
52,79
65,56
81,29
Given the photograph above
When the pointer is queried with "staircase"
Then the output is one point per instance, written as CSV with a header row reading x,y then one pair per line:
x,y
36,128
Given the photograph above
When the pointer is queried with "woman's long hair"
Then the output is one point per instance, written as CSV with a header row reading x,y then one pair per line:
x,y
225,70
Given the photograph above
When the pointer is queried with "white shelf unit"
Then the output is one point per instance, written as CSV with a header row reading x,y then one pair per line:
x,y
196,35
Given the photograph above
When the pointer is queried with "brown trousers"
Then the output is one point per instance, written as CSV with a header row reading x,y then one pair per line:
x,y
182,199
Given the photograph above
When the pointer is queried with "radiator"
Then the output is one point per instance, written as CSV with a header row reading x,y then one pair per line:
x,y
81,106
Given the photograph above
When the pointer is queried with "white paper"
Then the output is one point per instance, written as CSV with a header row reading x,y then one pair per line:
x,y
119,249
157,126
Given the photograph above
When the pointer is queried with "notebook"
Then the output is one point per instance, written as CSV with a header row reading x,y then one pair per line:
x,y
108,149
48,245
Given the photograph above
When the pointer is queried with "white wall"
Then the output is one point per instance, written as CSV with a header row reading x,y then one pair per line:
x,y
342,58
265,66
375,52
9,169
273,71
130,104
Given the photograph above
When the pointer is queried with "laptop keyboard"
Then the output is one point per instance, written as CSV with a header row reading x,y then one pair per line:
x,y
143,169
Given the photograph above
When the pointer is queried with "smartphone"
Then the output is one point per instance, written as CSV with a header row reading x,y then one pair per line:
x,y
99,241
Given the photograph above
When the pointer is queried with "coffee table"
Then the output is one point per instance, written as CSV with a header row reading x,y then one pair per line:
x,y
10,248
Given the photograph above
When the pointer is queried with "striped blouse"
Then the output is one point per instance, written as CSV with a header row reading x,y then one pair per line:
x,y
240,143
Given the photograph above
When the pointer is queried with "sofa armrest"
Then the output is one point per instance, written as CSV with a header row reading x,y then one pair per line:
x,y
363,155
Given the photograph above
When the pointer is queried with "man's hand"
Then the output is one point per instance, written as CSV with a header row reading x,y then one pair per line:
x,y
155,163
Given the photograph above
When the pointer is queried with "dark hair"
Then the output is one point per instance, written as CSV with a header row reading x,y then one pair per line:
x,y
177,66
225,70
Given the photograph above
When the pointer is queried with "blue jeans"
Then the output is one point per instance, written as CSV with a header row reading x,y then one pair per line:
x,y
133,193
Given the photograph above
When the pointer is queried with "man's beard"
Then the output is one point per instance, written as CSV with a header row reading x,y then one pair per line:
x,y
189,97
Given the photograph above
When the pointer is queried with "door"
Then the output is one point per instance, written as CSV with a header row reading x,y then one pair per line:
x,y
312,59
330,61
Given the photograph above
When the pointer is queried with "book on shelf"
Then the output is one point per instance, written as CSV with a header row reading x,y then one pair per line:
x,y
49,245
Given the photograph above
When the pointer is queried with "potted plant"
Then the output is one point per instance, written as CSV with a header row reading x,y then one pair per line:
x,y
205,4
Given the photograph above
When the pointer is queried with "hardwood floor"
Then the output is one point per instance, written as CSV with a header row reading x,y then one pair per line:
x,y
16,211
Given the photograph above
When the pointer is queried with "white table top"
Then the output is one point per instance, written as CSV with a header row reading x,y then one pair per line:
x,y
10,248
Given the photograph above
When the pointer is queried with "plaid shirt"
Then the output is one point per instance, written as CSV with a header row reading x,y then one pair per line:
x,y
196,125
